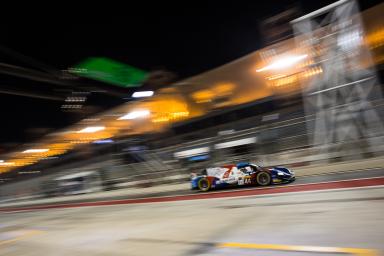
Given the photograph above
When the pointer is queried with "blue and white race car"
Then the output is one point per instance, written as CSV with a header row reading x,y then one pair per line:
x,y
240,175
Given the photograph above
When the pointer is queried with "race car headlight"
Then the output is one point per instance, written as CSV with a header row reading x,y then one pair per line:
x,y
280,173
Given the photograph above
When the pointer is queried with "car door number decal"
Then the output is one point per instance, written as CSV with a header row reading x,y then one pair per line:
x,y
244,181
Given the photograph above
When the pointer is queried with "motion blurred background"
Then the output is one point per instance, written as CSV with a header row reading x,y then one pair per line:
x,y
111,100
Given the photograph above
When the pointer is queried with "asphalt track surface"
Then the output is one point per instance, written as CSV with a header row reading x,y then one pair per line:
x,y
338,214
348,179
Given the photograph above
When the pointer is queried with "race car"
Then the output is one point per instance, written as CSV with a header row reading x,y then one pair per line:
x,y
240,175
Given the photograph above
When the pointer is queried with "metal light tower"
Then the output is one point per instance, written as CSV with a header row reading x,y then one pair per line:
x,y
341,101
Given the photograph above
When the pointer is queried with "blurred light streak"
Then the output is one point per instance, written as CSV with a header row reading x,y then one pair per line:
x,y
203,96
199,158
91,129
276,77
71,106
74,175
35,150
235,143
342,85
6,163
313,71
103,141
28,172
302,248
142,94
270,117
223,88
192,152
49,158
216,91
283,62
135,114
226,132
375,39
166,117
160,119
75,99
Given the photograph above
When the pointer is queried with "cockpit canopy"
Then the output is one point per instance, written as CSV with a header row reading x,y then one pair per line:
x,y
246,164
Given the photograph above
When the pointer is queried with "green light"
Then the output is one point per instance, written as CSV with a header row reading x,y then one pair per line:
x,y
110,71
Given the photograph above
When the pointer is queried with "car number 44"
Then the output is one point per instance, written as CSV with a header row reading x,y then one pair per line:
x,y
244,181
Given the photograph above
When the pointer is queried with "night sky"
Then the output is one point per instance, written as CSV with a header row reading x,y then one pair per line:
x,y
184,38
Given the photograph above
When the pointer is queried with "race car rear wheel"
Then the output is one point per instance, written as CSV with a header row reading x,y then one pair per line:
x,y
204,184
263,178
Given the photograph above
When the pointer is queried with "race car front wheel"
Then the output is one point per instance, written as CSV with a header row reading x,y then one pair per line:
x,y
204,184
263,178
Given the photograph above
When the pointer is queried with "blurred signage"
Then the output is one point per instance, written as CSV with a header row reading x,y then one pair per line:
x,y
191,152
107,141
110,71
236,143
226,132
270,117
198,158
135,148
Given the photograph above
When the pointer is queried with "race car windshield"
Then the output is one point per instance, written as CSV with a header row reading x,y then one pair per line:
x,y
256,167
247,169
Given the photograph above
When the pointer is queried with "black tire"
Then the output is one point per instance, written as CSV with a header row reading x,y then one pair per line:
x,y
263,178
203,184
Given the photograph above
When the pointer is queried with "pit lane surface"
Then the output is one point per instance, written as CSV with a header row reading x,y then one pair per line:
x,y
349,179
331,222
315,182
